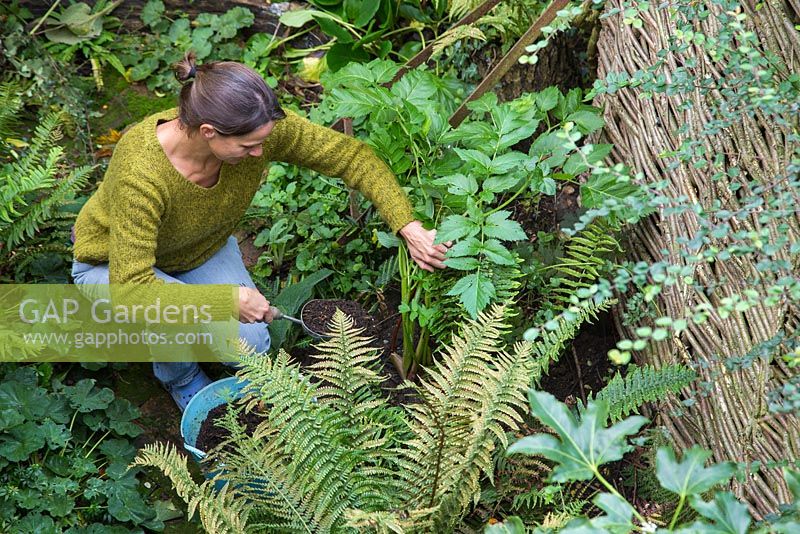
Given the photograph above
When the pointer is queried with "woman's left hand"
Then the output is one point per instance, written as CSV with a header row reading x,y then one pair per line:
x,y
420,245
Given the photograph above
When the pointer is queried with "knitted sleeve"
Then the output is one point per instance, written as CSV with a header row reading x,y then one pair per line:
x,y
299,141
133,231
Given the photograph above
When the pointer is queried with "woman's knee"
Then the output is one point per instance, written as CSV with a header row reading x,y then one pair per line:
x,y
256,335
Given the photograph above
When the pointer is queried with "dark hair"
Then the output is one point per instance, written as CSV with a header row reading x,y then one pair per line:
x,y
230,96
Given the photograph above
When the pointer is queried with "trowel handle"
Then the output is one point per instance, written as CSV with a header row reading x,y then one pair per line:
x,y
278,314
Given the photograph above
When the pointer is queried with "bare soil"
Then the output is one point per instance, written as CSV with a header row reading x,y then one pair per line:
x,y
212,433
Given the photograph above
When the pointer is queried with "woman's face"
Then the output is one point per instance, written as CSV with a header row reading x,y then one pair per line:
x,y
232,149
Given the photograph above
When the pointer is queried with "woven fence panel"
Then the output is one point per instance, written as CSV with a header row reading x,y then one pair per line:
x,y
730,414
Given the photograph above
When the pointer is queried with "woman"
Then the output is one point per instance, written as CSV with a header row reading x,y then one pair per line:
x,y
179,181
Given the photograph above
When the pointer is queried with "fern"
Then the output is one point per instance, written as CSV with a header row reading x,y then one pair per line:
x,y
642,385
220,513
331,454
582,263
34,190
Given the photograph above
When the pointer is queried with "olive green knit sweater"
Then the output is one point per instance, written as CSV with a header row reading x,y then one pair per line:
x,y
146,214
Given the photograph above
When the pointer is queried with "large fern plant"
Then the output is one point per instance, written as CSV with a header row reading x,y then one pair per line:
x,y
332,455
36,188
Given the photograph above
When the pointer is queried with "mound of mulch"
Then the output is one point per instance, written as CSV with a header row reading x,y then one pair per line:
x,y
211,434
318,314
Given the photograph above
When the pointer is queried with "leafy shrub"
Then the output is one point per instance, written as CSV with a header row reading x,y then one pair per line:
x,y
64,455
580,445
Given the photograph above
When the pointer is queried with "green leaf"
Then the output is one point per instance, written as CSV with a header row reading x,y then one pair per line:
x,y
84,397
618,518
511,525
21,441
599,188
475,291
793,482
415,87
340,54
497,253
586,121
498,184
122,414
332,28
458,184
152,12
728,515
581,446
476,157
455,227
547,99
690,476
299,17
365,11
388,240
462,263
500,226
180,30
506,162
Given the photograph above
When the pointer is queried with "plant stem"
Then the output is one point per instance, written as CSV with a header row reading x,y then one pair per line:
x,y
44,17
678,510
614,492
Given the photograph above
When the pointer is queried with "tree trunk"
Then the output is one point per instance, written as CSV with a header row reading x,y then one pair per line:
x,y
730,415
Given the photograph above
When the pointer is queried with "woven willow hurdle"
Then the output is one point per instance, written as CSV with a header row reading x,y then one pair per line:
x,y
732,418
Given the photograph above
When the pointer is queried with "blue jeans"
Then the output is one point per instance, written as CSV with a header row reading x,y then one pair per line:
x,y
224,267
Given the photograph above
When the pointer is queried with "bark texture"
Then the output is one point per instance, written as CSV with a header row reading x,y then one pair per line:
x,y
731,415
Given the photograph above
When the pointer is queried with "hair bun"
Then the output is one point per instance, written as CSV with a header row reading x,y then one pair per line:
x,y
186,69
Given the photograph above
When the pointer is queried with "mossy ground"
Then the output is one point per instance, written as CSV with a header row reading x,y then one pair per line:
x,y
121,104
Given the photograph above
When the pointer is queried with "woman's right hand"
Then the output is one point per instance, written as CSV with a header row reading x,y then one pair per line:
x,y
253,306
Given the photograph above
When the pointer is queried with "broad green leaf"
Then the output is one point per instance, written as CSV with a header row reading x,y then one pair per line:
x,y
121,416
455,227
586,121
690,476
497,253
500,183
299,17
180,30
365,13
466,247
334,29
618,518
727,516
84,397
511,525
793,481
475,291
388,240
415,87
476,157
458,184
462,263
340,54
599,188
506,162
21,441
581,446
362,75
152,12
547,99
500,226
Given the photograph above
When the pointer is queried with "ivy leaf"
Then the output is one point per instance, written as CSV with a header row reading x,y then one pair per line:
x,y
728,515
475,291
586,121
581,446
455,227
84,397
500,226
690,476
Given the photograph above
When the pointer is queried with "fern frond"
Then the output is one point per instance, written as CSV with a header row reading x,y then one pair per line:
x,y
642,385
455,34
10,105
220,513
582,263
